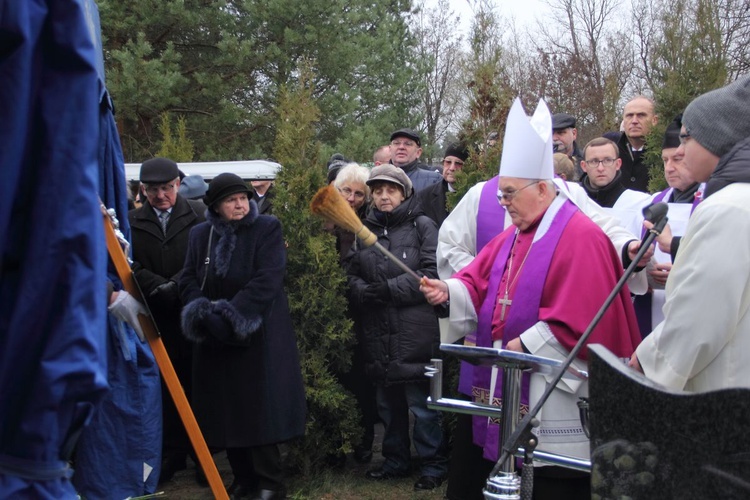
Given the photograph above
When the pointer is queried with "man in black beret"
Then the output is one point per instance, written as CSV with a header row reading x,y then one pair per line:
x,y
564,135
160,237
406,148
432,198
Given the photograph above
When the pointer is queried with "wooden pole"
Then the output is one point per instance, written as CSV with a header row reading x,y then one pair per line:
x,y
165,364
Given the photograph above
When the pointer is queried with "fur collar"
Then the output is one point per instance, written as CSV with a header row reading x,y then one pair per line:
x,y
227,236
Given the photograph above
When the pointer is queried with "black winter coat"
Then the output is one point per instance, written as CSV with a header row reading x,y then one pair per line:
x,y
158,259
400,335
634,171
247,382
432,201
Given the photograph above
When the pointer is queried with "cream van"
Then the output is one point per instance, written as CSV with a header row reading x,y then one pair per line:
x,y
249,170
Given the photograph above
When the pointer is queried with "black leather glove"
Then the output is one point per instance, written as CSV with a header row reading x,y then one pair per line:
x,y
167,288
378,293
164,295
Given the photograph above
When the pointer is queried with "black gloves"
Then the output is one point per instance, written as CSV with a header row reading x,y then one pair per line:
x,y
165,295
378,293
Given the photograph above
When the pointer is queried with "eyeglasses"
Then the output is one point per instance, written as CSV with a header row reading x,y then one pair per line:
x,y
508,197
154,190
348,192
684,137
607,162
457,163
406,144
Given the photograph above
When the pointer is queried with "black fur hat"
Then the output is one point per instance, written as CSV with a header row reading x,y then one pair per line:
x,y
222,186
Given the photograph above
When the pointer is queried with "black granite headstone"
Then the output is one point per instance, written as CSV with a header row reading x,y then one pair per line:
x,y
649,442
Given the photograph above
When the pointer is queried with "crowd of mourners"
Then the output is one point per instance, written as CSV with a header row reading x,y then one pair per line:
x,y
523,262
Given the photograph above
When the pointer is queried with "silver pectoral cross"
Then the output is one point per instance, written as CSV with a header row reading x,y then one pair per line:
x,y
506,303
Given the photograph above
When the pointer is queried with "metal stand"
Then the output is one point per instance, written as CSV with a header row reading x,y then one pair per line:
x,y
505,484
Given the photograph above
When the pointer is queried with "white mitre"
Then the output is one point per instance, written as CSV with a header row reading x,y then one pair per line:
x,y
527,146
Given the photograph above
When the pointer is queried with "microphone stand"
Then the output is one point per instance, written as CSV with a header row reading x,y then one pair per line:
x,y
523,430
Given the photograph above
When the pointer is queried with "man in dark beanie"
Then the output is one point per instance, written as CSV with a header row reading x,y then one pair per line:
x,y
432,198
160,230
703,342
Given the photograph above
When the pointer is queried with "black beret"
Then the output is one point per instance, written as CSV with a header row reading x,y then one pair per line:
x,y
563,120
409,134
224,185
158,171
672,134
457,150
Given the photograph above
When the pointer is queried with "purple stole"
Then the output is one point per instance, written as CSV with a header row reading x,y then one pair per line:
x,y
522,315
660,197
490,223
490,215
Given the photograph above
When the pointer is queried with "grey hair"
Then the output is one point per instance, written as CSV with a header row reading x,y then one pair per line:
x,y
353,172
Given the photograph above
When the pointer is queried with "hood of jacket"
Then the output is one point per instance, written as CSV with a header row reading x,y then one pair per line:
x,y
733,167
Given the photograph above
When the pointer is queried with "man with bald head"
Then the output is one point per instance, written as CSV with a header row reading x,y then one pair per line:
x,y
638,117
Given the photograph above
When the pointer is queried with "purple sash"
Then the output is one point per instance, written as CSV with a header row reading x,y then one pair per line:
x,y
660,197
490,223
491,214
521,316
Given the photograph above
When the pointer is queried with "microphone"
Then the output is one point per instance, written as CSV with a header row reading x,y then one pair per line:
x,y
655,213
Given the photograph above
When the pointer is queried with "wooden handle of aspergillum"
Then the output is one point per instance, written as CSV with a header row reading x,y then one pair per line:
x,y
367,237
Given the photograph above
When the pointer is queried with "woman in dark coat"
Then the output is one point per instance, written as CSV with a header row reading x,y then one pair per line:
x,y
399,328
247,385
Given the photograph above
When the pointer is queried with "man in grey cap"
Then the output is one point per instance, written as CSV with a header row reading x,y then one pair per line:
x,y
160,231
703,343
406,148
564,135
193,187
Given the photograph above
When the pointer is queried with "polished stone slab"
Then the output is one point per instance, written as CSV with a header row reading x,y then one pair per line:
x,y
649,442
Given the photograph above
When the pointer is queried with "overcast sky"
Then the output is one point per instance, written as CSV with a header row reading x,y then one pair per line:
x,y
523,11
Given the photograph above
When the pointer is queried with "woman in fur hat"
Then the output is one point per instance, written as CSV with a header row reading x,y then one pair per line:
x,y
247,385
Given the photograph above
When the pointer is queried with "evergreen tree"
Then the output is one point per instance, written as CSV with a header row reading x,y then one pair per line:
x,y
316,284
180,148
222,63
688,59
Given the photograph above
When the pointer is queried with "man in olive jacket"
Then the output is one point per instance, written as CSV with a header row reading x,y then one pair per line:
x,y
160,231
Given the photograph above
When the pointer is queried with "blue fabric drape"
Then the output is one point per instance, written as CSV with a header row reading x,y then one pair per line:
x,y
60,153
52,272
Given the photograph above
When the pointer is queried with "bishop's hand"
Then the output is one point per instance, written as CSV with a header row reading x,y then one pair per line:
x,y
435,291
